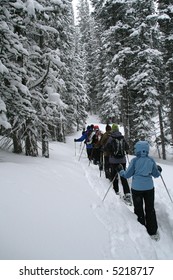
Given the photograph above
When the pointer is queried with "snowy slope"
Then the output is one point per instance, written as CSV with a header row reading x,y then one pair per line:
x,y
52,209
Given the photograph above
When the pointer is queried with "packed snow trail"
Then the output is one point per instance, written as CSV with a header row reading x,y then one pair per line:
x,y
127,236
124,231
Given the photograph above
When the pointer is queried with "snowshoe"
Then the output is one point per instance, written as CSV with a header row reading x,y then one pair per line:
x,y
127,199
156,236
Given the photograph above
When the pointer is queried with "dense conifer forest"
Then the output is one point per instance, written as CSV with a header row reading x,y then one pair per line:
x,y
115,60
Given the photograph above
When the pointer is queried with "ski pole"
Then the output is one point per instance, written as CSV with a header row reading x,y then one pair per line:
x,y
103,162
81,152
109,187
166,188
80,147
75,148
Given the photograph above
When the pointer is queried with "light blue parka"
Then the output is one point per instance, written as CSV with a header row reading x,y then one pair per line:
x,y
141,168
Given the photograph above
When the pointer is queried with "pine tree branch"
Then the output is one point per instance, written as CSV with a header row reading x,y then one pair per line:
x,y
38,82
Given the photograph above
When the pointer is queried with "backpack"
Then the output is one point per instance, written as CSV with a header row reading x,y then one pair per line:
x,y
118,147
89,137
96,137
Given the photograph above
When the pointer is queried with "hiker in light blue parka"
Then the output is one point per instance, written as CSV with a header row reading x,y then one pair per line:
x,y
142,168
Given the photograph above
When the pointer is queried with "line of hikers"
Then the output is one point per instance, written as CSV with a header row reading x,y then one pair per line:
x,y
109,151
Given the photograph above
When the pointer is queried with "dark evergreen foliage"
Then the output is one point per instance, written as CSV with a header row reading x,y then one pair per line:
x,y
116,61
37,69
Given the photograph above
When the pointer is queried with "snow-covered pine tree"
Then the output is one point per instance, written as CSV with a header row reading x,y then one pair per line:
x,y
13,90
46,84
165,20
114,33
131,63
85,47
31,18
4,124
143,85
37,53
97,57
82,100
96,64
116,68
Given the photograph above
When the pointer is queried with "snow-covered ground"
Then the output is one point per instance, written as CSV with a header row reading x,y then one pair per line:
x,y
52,209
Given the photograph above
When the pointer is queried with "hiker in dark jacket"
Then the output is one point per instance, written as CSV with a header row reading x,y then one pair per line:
x,y
96,145
115,160
87,137
142,168
105,154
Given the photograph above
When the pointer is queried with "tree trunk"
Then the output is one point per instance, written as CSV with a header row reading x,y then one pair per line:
x,y
162,133
171,118
31,148
31,145
126,117
45,144
17,145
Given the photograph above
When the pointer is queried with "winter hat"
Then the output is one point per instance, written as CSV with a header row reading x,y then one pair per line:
x,y
96,127
141,149
115,127
108,127
92,126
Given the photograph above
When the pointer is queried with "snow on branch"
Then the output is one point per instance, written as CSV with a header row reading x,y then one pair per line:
x,y
3,69
3,118
54,97
46,28
33,6
164,17
39,81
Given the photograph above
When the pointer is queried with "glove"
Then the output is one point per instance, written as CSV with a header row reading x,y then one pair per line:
x,y
74,140
119,167
159,168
